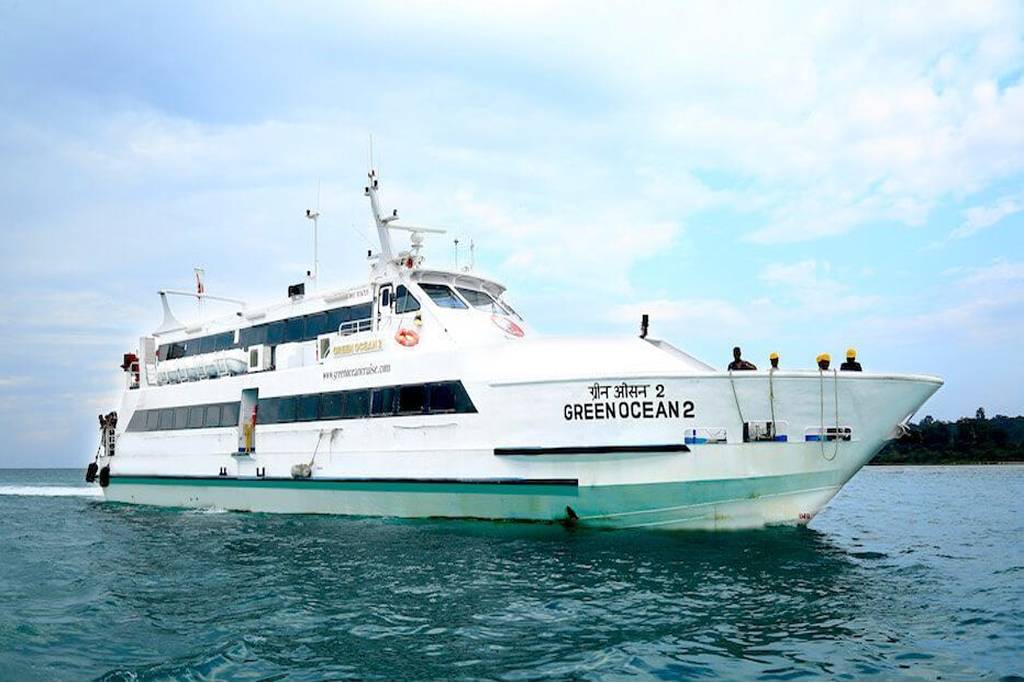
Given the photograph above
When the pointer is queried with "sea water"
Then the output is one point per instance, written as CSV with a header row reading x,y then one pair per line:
x,y
910,573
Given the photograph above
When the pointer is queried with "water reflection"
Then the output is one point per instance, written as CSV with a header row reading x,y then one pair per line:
x,y
477,599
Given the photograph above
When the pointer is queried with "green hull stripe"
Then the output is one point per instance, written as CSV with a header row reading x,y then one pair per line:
x,y
552,488
613,497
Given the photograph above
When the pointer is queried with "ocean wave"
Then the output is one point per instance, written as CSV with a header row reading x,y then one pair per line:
x,y
53,491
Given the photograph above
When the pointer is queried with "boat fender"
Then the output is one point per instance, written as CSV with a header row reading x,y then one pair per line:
x,y
302,471
105,476
90,472
571,518
407,337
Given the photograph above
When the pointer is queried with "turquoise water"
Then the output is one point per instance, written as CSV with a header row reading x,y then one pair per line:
x,y
910,573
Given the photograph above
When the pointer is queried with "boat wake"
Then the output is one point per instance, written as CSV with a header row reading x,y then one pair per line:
x,y
53,491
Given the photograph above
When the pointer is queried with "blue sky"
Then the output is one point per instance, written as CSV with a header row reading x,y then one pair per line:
x,y
789,177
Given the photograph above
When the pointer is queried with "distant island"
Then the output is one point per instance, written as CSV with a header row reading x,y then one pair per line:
x,y
977,440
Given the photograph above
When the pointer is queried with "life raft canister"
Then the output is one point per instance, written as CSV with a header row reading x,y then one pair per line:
x,y
407,337
507,326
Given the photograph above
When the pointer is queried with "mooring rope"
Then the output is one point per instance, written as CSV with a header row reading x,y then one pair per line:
x,y
821,433
737,399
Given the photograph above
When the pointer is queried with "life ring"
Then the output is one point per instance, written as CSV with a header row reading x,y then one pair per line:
x,y
507,326
407,337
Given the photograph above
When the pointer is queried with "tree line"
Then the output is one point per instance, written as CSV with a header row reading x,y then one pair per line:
x,y
968,440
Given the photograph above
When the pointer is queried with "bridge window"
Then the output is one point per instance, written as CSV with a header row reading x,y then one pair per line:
x,y
442,295
405,302
482,300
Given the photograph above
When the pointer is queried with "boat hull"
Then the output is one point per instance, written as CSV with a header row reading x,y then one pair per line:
x,y
715,503
552,450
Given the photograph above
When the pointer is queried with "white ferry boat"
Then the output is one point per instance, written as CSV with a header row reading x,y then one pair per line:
x,y
422,393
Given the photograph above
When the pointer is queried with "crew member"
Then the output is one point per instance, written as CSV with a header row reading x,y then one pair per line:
x,y
738,363
823,361
851,361
774,358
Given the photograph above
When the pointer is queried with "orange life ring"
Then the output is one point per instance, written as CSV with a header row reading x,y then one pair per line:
x,y
407,337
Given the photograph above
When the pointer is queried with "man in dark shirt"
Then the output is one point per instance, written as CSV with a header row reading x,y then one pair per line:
x,y
851,361
738,363
774,359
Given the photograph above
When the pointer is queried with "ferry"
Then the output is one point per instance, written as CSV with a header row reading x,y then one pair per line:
x,y
421,392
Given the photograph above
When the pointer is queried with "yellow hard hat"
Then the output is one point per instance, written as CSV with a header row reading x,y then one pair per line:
x,y
851,353
773,356
824,356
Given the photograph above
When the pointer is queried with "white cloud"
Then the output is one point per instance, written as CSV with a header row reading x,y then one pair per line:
x,y
1000,271
808,284
978,218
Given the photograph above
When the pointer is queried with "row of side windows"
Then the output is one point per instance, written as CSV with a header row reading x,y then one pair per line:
x,y
297,329
408,399
185,417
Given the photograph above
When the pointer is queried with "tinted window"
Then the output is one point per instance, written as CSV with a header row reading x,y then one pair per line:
x,y
212,418
275,333
229,414
138,421
331,405
286,409
405,302
163,351
316,324
442,295
335,318
166,418
181,418
411,399
195,417
245,336
252,336
360,312
267,412
224,340
308,406
177,350
152,420
294,327
206,345
383,401
442,398
357,403
463,404
482,300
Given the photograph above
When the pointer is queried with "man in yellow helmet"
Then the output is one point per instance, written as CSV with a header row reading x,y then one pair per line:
x,y
774,359
851,361
823,361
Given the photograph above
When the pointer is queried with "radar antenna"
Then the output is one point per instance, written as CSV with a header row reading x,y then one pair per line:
x,y
386,223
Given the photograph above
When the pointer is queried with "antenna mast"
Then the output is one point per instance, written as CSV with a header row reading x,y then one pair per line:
x,y
315,216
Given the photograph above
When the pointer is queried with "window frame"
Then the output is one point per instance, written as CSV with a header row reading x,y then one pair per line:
x,y
426,287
